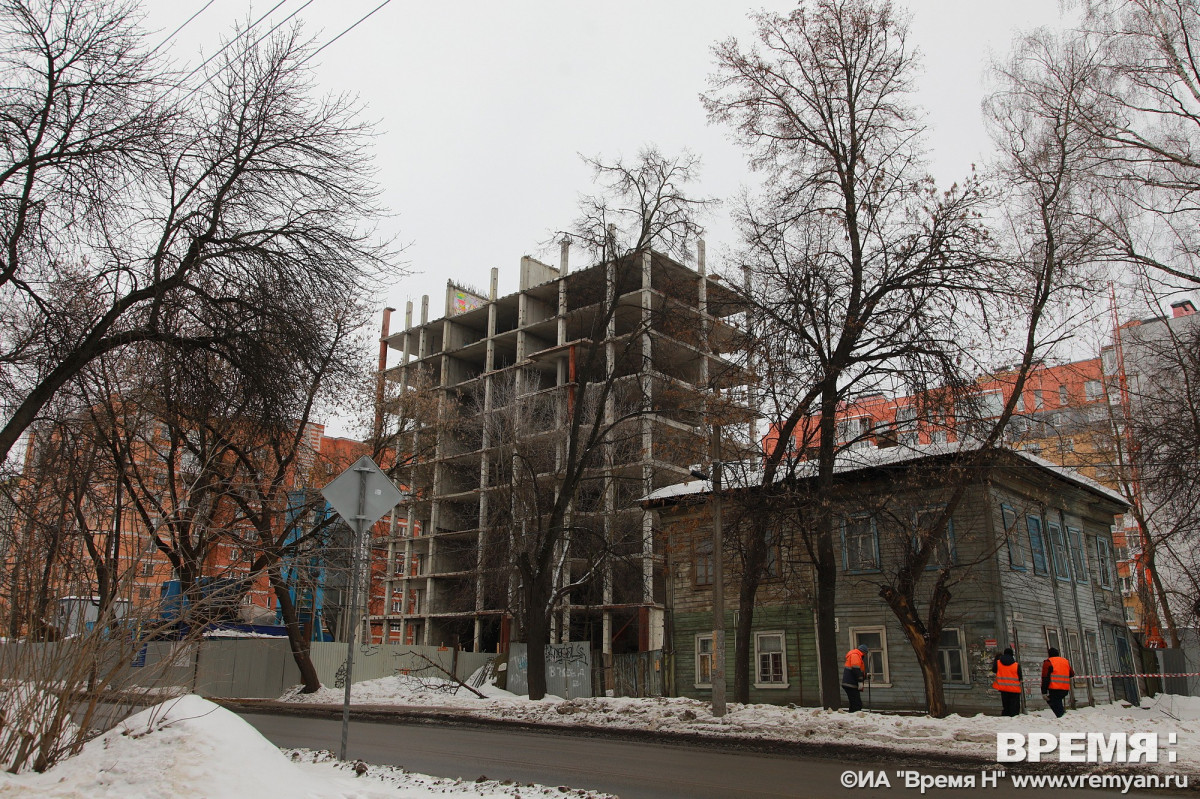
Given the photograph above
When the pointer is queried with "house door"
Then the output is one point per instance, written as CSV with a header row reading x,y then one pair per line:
x,y
1124,687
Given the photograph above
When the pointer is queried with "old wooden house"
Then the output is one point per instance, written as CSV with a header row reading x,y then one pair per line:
x,y
1027,549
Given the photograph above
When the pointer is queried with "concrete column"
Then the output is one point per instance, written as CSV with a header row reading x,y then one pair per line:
x,y
647,425
484,473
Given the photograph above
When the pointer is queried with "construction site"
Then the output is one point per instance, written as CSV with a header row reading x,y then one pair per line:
x,y
483,402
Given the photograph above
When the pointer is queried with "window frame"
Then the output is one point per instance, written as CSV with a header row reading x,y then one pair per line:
x,y
874,535
702,563
1077,553
881,651
946,546
1012,537
782,653
1040,538
961,649
1104,562
1076,656
1093,656
1057,642
701,638
1059,549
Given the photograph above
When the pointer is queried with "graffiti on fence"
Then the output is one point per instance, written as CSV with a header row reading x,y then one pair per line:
x,y
564,654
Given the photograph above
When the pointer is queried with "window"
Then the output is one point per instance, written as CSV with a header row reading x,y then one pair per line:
x,y
416,565
147,569
144,593
1066,445
953,656
1039,401
1078,556
906,427
943,551
1091,643
771,659
1052,641
876,661
991,403
1104,562
1058,544
702,563
1037,544
1064,397
704,659
1016,554
397,605
1093,391
860,544
852,430
1127,586
771,568
1076,656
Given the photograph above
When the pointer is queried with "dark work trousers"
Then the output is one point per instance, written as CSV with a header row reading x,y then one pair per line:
x,y
855,697
1056,702
1010,703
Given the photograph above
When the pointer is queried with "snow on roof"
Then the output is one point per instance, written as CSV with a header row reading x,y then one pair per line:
x,y
744,475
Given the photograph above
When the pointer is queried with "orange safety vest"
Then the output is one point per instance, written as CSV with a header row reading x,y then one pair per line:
x,y
1006,678
1060,674
854,660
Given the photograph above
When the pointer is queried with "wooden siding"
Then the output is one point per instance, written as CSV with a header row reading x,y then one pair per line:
x,y
991,598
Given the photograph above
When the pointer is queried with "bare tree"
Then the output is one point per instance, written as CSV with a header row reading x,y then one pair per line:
x,y
153,198
859,268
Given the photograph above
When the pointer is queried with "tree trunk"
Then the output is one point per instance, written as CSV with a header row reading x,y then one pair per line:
x,y
826,566
755,563
741,643
831,667
537,634
924,640
300,645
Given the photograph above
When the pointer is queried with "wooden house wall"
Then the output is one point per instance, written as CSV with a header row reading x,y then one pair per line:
x,y
992,601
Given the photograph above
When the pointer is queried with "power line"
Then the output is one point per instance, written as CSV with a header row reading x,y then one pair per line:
x,y
361,20
181,27
232,41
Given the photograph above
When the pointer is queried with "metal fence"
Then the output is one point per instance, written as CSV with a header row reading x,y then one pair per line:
x,y
568,669
251,668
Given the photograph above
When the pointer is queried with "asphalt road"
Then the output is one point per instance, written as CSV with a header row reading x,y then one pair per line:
x,y
630,769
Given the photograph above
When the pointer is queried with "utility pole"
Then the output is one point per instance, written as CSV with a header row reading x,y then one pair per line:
x,y
718,598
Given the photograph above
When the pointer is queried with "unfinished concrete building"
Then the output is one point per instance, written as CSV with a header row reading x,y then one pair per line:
x,y
665,335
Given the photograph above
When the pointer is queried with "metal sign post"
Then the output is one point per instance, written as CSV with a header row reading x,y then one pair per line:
x,y
361,495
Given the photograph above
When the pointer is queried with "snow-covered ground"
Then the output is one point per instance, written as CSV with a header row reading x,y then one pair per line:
x,y
965,736
190,747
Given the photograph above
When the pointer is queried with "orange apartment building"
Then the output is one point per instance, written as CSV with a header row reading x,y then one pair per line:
x,y
108,513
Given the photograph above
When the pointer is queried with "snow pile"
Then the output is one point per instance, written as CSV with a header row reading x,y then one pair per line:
x,y
191,747
965,736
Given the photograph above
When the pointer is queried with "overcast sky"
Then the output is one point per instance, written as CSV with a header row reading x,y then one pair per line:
x,y
482,108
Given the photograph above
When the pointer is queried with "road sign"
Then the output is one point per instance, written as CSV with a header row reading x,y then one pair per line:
x,y
361,495
366,482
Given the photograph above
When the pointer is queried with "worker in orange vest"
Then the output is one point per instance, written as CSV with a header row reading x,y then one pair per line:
x,y
1056,680
1008,682
854,675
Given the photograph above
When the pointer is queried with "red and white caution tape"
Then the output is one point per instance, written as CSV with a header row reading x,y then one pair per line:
x,y
1121,676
